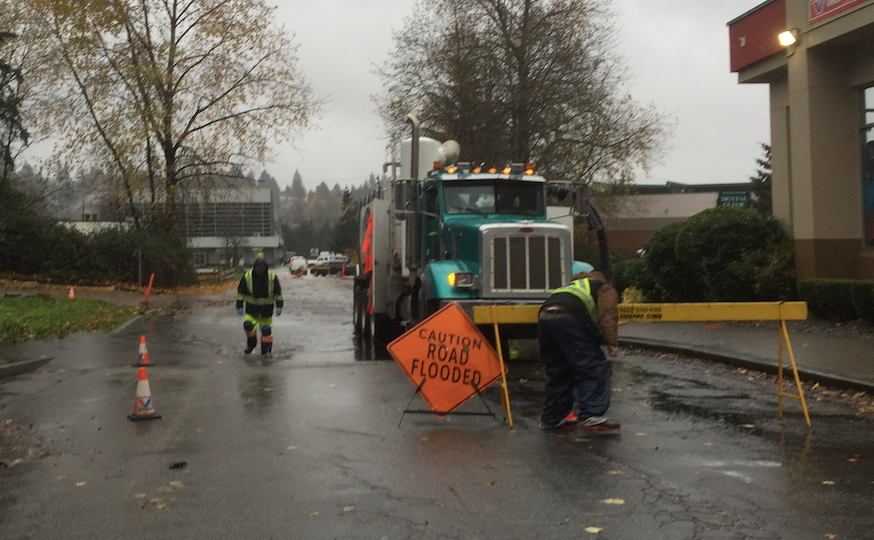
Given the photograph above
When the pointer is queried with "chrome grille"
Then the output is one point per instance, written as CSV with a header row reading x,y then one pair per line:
x,y
526,262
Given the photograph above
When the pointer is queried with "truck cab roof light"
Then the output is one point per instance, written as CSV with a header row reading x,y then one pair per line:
x,y
450,170
507,170
529,168
437,164
477,170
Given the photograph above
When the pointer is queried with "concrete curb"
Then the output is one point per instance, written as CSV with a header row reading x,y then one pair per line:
x,y
748,362
26,366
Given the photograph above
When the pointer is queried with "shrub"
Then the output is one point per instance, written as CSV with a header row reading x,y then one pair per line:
x,y
719,255
839,299
629,273
633,295
37,246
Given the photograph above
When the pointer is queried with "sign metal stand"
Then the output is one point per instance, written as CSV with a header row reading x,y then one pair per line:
x,y
407,410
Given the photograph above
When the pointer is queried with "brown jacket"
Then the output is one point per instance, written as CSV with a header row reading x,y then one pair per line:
x,y
606,299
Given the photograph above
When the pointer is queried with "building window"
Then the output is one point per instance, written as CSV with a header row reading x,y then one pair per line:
x,y
867,141
199,258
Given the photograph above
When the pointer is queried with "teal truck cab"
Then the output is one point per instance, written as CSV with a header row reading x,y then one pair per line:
x,y
464,233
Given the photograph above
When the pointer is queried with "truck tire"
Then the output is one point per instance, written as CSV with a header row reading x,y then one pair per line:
x,y
359,306
384,329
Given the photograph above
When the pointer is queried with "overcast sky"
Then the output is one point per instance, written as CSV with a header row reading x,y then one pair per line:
x,y
676,51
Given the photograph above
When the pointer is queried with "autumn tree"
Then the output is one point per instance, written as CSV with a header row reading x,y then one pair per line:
x,y
523,81
165,93
13,134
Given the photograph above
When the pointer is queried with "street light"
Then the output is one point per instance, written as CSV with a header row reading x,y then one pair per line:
x,y
789,37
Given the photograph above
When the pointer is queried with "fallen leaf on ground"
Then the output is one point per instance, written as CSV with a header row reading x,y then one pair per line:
x,y
140,496
613,501
749,426
614,472
488,483
594,530
827,535
80,484
348,508
828,482
641,434
313,514
176,483
290,447
424,439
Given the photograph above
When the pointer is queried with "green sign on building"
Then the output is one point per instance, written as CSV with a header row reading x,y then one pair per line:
x,y
740,199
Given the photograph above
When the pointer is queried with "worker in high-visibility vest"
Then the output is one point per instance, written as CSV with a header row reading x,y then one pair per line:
x,y
259,289
573,324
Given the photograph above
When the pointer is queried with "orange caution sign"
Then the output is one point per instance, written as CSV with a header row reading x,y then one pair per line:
x,y
447,359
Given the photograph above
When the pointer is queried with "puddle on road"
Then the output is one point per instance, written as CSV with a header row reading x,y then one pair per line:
x,y
258,393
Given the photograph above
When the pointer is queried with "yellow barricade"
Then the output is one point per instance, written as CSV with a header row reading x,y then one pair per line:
x,y
688,312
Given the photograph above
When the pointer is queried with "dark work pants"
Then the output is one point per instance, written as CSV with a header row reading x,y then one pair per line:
x,y
576,369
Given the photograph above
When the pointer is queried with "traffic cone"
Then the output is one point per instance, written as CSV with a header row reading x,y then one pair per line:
x,y
143,354
71,294
143,407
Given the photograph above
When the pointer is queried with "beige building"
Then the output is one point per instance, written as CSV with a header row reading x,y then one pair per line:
x,y
822,121
631,219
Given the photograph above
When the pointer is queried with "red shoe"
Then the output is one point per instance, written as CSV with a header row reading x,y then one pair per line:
x,y
599,423
568,422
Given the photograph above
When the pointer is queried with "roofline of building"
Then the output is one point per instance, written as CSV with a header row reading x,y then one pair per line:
x,y
750,12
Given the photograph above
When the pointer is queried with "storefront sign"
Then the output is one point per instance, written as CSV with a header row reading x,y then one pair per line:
x,y
821,10
741,199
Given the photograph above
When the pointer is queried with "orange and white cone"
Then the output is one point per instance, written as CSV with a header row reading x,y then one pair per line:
x,y
144,409
143,354
71,294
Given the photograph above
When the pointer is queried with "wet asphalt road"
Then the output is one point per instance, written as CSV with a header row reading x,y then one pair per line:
x,y
308,445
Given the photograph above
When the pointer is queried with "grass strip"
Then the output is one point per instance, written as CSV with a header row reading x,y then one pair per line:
x,y
40,317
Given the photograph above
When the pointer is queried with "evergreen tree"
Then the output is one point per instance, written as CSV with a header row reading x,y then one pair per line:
x,y
346,232
762,181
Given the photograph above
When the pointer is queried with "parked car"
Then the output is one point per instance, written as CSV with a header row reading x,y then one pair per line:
x,y
297,262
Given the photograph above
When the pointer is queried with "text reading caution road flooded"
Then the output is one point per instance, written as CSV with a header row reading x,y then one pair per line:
x,y
446,358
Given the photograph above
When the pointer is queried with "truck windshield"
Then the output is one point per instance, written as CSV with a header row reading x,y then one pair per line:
x,y
516,198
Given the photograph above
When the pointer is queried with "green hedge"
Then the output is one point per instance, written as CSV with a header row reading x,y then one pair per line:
x,y
840,299
35,245
722,254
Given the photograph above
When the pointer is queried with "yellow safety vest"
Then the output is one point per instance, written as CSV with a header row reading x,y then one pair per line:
x,y
582,289
250,299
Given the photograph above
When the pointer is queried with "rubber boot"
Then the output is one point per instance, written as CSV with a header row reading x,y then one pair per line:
x,y
251,342
266,348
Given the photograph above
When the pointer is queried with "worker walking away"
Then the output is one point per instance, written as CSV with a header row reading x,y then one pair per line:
x,y
573,324
259,289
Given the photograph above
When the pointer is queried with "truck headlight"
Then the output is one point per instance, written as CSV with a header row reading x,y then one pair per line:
x,y
460,279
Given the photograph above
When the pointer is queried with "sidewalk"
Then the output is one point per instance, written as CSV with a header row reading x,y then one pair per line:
x,y
838,359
